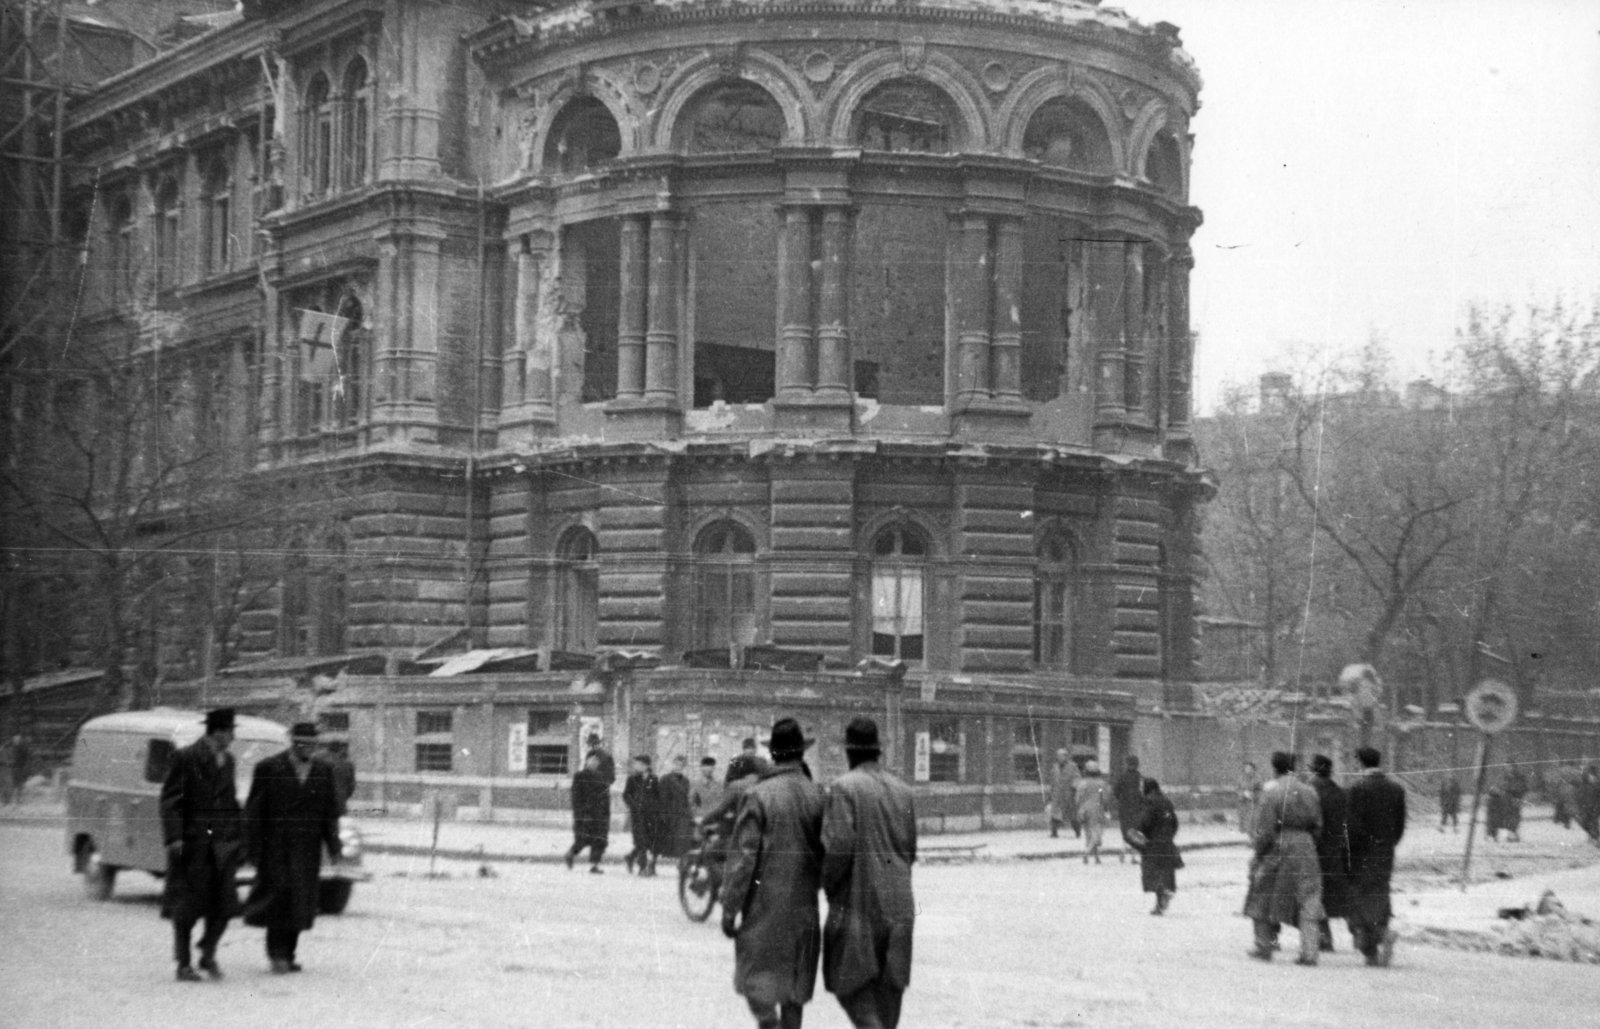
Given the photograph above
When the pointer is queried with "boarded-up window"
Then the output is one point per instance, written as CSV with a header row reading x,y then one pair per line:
x,y
897,305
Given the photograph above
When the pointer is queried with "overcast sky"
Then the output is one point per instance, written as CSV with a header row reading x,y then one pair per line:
x,y
1374,166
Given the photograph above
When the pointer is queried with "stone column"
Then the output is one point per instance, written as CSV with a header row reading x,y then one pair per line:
x,y
1133,328
661,338
796,363
530,383
1180,361
631,284
835,377
1005,350
1105,265
973,295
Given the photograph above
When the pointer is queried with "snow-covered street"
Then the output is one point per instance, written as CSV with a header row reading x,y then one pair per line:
x,y
1025,943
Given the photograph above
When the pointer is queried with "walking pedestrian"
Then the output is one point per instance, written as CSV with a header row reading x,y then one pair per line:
x,y
608,764
746,761
642,796
1158,826
1285,878
1129,795
1333,847
676,824
1377,822
769,892
1564,790
1092,793
291,817
707,792
1450,802
201,825
591,814
1515,787
1064,795
869,842
1587,802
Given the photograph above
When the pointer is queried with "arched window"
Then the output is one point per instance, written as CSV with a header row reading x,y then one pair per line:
x,y
907,115
167,214
899,590
1163,165
577,592
316,143
1053,603
729,116
1068,134
583,135
724,587
353,131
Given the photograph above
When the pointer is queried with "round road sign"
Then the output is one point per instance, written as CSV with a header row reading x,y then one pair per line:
x,y
1491,705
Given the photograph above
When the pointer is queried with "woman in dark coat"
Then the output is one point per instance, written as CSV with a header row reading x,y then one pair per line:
x,y
642,794
591,813
1158,825
677,823
1333,846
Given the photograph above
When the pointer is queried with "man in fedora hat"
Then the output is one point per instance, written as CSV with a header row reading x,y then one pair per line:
x,y
292,814
200,825
769,893
869,841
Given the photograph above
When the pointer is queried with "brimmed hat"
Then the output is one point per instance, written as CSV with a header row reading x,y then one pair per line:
x,y
303,731
220,719
861,734
787,738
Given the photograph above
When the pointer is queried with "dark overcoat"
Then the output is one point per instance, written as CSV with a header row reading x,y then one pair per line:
x,y
869,842
287,825
1285,878
771,881
591,808
677,824
1333,847
200,809
642,794
1377,822
1129,795
1158,824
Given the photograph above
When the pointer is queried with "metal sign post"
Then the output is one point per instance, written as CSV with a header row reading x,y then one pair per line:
x,y
1491,706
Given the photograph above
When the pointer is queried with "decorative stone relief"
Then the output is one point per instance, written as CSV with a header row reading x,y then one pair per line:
x,y
912,53
996,77
818,66
646,78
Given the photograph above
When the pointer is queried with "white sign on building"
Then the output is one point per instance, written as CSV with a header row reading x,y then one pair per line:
x,y
517,749
919,771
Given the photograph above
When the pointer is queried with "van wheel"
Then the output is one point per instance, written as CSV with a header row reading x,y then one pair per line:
x,y
98,878
333,895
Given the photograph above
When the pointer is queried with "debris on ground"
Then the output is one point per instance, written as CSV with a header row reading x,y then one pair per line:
x,y
1545,930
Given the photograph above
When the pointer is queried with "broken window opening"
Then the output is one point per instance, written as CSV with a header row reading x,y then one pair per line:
x,y
1163,165
907,116
734,375
591,290
582,136
732,116
1068,134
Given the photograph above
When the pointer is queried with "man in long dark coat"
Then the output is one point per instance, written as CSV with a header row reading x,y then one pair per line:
x,y
1157,828
1128,791
291,816
869,842
677,823
1333,847
642,795
591,813
769,892
1285,879
1377,822
201,826
608,764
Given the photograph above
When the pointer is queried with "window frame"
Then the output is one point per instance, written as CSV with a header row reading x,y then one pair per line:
x,y
1056,579
724,574
893,568
575,594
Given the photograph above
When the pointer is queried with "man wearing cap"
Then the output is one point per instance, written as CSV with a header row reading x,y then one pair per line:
x,y
200,824
769,893
869,842
292,814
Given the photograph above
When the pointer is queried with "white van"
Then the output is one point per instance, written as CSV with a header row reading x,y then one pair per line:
x,y
114,796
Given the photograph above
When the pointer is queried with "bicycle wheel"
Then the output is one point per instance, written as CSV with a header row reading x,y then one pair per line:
x,y
696,887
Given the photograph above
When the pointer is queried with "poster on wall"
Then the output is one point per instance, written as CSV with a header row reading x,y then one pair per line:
x,y
517,748
919,770
1102,740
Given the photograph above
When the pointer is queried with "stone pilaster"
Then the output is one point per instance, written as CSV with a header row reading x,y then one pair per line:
x,y
835,375
795,361
1005,357
972,281
661,337
633,278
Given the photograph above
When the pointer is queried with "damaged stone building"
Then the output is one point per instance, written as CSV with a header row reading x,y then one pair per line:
x,y
688,363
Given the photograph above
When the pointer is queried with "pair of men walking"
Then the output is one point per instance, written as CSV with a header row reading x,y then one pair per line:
x,y
855,842
291,815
